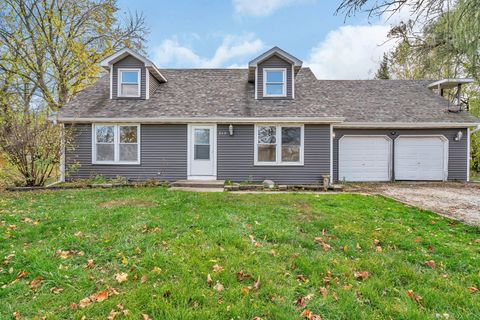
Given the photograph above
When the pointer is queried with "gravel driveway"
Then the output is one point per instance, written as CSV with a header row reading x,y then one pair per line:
x,y
459,201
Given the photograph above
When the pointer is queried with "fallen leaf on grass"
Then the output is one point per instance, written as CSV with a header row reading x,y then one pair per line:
x,y
156,270
347,287
97,297
430,263
16,315
418,239
219,287
415,297
64,254
146,316
143,279
112,315
217,268
121,277
35,282
324,291
245,290
301,278
90,264
256,285
378,249
300,302
309,315
473,289
209,280
361,275
85,302
243,276
12,227
56,290
20,275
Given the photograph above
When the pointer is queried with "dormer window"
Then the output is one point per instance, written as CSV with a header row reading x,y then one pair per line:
x,y
129,82
275,82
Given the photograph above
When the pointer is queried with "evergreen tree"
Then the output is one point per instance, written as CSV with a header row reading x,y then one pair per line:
x,y
383,72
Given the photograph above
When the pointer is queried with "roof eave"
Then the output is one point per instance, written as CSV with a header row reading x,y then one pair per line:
x,y
121,54
185,120
405,125
276,50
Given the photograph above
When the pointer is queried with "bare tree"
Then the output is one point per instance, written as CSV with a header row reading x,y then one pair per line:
x,y
58,43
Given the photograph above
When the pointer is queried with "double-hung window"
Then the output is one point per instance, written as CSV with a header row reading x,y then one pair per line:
x,y
116,144
279,145
129,82
275,82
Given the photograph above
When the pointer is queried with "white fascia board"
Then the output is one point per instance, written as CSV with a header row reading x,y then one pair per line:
x,y
117,56
398,125
276,50
325,120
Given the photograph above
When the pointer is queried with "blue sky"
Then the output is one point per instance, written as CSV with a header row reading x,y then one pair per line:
x,y
229,33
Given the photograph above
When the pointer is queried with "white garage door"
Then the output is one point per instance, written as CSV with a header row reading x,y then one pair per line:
x,y
364,158
421,158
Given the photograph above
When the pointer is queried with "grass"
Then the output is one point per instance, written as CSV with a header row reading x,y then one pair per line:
x,y
168,242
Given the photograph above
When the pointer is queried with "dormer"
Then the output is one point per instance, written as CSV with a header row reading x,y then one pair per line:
x,y
132,76
274,73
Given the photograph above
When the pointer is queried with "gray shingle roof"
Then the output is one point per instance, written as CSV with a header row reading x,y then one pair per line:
x,y
227,93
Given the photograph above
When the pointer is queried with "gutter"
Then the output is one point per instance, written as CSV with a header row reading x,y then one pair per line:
x,y
322,120
405,125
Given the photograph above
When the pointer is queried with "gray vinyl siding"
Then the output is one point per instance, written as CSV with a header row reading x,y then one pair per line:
x,y
274,62
457,153
163,155
154,84
235,157
129,62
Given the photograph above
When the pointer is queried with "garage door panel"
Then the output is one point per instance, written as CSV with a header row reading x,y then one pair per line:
x,y
364,158
420,158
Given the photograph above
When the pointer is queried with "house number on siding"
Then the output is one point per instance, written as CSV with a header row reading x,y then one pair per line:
x,y
223,133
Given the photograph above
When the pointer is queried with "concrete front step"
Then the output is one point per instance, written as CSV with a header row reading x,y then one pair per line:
x,y
206,184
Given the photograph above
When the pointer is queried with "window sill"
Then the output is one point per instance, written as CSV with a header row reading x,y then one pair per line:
x,y
281,164
110,163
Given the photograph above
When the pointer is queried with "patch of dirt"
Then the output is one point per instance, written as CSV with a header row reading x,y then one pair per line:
x,y
460,201
305,210
126,202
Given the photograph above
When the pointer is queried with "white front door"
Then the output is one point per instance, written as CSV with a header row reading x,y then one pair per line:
x,y
364,158
202,152
421,158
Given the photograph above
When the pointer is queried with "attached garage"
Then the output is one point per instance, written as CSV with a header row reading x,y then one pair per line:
x,y
421,158
365,158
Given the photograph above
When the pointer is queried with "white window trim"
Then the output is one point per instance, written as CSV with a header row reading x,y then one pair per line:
x,y
116,143
278,151
284,72
119,82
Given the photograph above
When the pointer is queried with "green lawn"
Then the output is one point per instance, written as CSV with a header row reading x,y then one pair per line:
x,y
153,249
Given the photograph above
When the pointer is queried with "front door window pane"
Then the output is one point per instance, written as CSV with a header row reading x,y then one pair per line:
x,y
202,144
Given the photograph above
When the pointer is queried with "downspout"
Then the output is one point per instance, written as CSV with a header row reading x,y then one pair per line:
x,y
475,130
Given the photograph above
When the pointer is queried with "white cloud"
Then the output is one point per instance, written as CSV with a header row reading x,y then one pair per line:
x,y
170,53
260,8
350,52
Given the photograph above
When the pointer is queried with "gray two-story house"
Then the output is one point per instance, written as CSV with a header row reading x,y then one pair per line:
x,y
273,120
